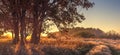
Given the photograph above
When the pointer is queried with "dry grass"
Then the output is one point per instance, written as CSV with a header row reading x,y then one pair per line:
x,y
49,46
100,50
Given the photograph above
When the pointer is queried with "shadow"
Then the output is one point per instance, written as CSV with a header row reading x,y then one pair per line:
x,y
34,51
26,49
7,50
22,50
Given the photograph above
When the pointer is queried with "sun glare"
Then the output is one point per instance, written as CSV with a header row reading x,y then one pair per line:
x,y
8,35
43,35
28,37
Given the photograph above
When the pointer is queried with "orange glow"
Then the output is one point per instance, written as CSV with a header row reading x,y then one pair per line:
x,y
8,35
43,35
28,37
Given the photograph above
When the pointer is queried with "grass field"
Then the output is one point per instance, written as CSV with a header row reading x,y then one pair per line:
x,y
50,46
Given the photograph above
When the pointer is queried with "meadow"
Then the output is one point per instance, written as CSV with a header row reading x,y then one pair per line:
x,y
72,46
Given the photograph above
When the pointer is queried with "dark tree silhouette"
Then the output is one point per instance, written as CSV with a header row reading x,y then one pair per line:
x,y
15,10
61,12
25,14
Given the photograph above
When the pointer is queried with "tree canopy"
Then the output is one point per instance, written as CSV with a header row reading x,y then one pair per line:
x,y
31,15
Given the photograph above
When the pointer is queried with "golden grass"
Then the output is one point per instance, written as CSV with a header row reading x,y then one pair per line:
x,y
73,45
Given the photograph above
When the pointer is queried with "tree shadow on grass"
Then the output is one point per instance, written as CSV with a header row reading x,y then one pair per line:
x,y
22,50
34,51
26,49
7,50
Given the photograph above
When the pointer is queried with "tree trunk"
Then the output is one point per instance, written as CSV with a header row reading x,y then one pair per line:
x,y
37,23
16,32
35,35
36,32
23,27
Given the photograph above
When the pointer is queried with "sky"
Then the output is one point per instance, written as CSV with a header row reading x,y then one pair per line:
x,y
104,15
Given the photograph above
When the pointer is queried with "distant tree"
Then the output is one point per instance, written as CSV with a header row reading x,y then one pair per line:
x,y
112,34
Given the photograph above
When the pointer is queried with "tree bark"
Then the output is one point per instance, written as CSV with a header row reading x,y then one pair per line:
x,y
15,27
38,14
36,31
35,35
23,27
16,32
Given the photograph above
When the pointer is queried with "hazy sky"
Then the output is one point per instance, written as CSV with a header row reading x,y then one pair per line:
x,y
104,15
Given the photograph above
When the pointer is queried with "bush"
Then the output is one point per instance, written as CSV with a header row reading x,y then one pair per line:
x,y
86,34
111,35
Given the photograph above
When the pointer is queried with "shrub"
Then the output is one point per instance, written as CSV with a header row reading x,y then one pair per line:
x,y
86,34
111,35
